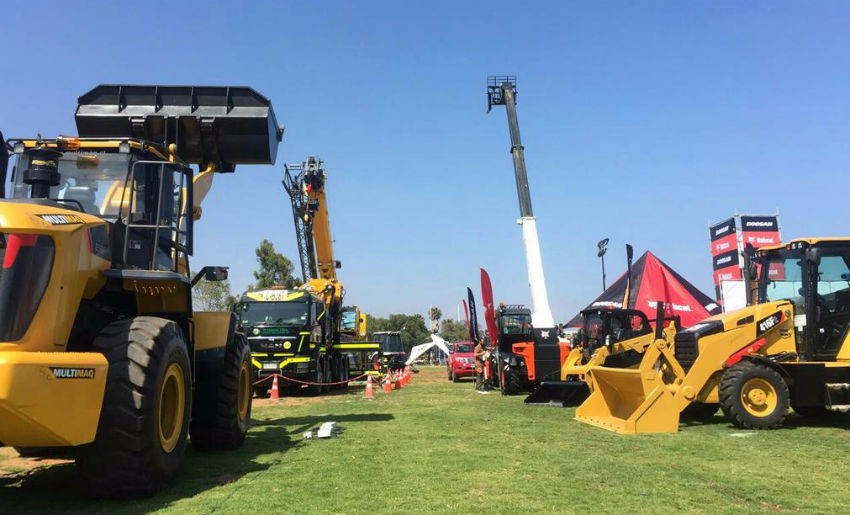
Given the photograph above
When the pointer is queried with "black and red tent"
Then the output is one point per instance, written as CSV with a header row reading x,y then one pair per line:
x,y
653,281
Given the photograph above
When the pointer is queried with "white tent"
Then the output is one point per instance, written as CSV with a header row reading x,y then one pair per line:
x,y
422,348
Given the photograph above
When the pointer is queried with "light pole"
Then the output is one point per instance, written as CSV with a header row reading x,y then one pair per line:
x,y
603,247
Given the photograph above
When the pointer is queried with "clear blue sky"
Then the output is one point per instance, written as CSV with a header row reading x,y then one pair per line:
x,y
643,122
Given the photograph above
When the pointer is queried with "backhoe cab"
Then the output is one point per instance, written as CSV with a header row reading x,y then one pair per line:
x,y
100,350
791,349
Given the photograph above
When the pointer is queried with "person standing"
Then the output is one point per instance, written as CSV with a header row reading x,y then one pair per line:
x,y
480,355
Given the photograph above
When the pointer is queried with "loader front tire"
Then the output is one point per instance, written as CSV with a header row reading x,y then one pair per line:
x,y
228,399
754,396
144,420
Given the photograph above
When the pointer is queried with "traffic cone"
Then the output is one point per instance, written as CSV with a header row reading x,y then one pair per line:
x,y
370,393
388,386
396,381
275,392
407,376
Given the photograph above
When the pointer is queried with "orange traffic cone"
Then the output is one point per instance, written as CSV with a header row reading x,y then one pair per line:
x,y
275,392
388,386
396,381
370,393
406,377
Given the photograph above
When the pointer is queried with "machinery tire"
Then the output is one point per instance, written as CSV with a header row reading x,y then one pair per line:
x,y
513,382
318,377
449,373
700,411
230,394
346,374
455,378
754,396
144,422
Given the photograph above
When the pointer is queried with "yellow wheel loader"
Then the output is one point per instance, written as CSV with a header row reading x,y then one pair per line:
x,y
101,354
790,349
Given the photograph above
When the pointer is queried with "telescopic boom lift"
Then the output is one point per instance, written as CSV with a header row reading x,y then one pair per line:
x,y
544,357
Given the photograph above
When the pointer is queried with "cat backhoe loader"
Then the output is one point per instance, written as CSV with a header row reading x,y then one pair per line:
x,y
789,349
100,351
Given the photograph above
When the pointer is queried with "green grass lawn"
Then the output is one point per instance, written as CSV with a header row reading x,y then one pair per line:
x,y
439,447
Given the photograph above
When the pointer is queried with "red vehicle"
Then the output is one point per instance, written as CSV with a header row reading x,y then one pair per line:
x,y
461,361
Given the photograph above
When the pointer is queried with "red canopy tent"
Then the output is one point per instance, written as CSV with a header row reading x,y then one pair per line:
x,y
653,281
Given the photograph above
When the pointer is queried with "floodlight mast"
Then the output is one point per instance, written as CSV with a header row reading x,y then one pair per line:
x,y
501,90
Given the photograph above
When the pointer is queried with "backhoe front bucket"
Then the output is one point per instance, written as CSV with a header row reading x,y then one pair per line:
x,y
559,394
629,401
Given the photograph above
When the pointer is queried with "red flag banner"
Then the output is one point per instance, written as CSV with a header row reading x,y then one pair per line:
x,y
489,308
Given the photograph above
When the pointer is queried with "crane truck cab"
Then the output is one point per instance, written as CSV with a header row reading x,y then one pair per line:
x,y
101,352
285,331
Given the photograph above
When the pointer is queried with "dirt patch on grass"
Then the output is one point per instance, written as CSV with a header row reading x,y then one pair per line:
x,y
11,463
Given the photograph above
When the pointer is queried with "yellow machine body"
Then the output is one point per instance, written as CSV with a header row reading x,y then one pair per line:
x,y
650,398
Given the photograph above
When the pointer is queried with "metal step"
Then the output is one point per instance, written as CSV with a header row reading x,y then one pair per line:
x,y
838,397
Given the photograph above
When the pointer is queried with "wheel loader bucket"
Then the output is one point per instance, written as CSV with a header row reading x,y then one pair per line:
x,y
559,394
629,401
209,124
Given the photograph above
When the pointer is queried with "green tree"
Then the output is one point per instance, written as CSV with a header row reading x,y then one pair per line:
x,y
275,268
212,296
453,331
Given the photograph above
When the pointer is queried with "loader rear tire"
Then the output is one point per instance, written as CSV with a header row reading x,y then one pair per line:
x,y
144,421
754,396
229,396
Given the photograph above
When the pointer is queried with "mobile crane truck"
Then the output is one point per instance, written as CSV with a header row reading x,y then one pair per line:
x,y
298,333
100,350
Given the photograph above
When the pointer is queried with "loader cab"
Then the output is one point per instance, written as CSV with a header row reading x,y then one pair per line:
x,y
514,323
606,326
815,276
146,199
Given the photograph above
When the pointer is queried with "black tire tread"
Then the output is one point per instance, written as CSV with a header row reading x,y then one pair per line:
x,y
225,431
730,392
120,462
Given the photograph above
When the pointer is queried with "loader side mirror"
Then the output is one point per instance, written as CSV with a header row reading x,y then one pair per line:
x,y
211,273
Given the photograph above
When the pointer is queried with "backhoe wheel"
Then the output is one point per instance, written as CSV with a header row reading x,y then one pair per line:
x,y
141,435
754,396
228,396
